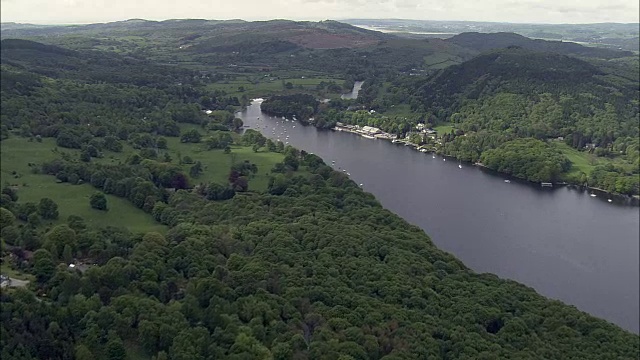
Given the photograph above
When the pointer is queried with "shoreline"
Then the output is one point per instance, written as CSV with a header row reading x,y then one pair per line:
x,y
634,199
355,129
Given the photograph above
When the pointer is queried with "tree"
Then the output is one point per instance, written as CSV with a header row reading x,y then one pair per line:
x,y
161,143
85,156
10,235
48,209
83,353
6,218
43,265
98,201
237,123
191,136
58,237
34,220
67,254
115,349
187,160
7,190
196,170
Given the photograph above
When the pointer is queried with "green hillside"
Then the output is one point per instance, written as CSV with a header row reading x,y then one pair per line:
x,y
191,240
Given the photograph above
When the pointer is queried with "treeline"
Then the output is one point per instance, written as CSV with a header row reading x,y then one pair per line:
x,y
532,94
300,106
314,268
529,159
74,107
513,93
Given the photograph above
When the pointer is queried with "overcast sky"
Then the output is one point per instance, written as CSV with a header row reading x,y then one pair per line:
x,y
531,11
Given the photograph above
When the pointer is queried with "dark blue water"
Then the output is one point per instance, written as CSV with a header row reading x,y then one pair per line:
x,y
562,242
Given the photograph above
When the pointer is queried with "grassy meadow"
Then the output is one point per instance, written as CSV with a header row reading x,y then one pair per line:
x,y
580,161
262,86
17,153
443,129
216,163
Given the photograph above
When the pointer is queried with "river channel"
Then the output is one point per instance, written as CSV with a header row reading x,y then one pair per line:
x,y
562,242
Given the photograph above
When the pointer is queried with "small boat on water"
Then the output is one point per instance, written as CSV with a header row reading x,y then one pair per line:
x,y
343,170
460,166
433,156
609,200
361,185
507,181
444,159
592,195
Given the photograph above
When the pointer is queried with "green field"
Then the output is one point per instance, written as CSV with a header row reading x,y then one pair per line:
x,y
71,199
18,152
580,161
256,86
399,110
216,163
441,60
443,129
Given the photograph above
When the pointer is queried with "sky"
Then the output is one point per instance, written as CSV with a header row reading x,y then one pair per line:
x,y
517,11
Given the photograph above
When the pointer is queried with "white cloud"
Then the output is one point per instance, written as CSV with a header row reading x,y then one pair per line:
x,y
539,11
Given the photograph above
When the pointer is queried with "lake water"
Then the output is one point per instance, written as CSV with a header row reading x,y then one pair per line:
x,y
562,242
357,85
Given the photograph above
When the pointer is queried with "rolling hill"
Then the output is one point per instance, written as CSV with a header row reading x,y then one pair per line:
x,y
483,42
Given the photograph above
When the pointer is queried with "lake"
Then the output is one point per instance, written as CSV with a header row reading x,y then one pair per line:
x,y
357,85
567,245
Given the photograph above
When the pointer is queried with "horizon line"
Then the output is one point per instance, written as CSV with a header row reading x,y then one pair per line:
x,y
77,23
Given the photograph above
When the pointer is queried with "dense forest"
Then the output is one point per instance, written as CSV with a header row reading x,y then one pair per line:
x,y
300,106
290,260
514,93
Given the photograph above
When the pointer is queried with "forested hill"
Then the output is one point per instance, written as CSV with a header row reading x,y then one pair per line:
x,y
506,94
487,41
528,74
89,66
514,70
290,260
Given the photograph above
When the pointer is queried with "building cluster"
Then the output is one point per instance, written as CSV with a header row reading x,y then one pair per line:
x,y
369,132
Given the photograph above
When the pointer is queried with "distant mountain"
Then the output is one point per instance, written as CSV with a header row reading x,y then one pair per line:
x,y
482,42
321,35
17,26
614,36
